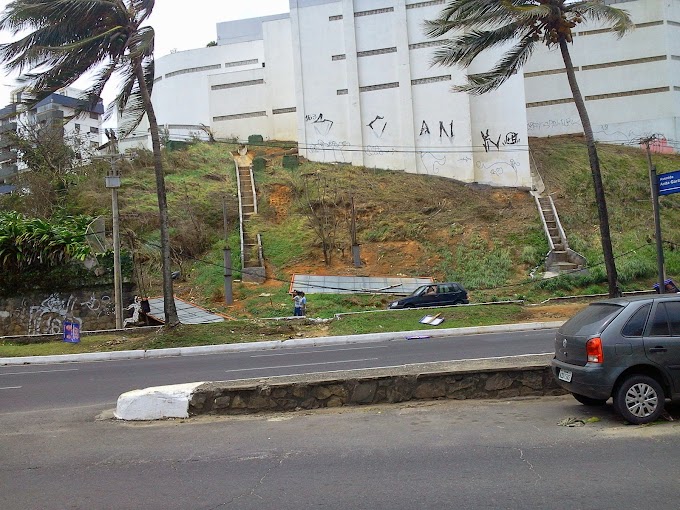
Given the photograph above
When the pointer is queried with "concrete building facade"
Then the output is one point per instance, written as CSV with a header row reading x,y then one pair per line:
x,y
631,85
349,80
367,95
57,112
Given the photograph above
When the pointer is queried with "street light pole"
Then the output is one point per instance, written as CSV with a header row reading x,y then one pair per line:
x,y
113,182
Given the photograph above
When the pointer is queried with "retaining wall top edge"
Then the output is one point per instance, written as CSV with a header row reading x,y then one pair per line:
x,y
532,362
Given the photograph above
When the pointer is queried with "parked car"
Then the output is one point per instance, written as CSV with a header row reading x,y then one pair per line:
x,y
624,348
434,294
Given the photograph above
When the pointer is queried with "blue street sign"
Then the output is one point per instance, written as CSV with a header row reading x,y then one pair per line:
x,y
669,183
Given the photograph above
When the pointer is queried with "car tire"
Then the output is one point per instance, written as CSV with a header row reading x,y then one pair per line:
x,y
639,399
588,401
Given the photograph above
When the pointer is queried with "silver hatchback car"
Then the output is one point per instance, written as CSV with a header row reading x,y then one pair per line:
x,y
624,348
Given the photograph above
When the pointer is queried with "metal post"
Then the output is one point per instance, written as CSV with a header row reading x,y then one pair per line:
x,y
117,278
654,185
228,291
356,253
657,229
113,181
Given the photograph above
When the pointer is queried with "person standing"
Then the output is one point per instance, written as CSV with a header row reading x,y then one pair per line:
x,y
303,304
297,310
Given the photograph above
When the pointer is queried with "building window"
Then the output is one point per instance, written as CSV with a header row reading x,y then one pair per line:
x,y
94,130
77,128
94,115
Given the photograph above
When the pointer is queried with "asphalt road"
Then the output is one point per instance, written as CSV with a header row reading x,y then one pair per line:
x,y
64,385
435,455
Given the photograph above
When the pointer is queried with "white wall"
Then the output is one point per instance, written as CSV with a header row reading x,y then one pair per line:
x,y
630,85
181,92
368,95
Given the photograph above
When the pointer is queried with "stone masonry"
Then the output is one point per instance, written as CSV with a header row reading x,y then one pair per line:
x,y
359,387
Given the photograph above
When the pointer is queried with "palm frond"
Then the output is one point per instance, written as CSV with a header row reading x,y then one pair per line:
x,y
618,19
506,67
462,50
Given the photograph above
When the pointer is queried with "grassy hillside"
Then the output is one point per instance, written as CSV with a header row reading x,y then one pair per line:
x,y
489,239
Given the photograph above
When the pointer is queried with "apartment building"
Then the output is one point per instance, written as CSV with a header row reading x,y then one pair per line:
x,y
56,113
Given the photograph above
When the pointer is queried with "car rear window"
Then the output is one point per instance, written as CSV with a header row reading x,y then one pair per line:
x,y
590,320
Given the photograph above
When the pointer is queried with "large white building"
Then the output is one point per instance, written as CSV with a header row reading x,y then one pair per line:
x,y
631,85
57,112
351,82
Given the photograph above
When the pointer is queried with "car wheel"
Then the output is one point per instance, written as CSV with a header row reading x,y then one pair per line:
x,y
587,401
639,399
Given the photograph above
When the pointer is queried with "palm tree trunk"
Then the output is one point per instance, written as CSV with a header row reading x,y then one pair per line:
x,y
169,308
600,199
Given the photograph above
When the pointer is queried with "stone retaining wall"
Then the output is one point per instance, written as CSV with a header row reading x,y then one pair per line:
x,y
44,312
286,394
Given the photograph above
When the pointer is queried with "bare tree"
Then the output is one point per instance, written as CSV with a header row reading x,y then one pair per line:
x,y
321,200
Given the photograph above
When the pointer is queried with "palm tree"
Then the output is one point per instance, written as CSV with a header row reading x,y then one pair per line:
x,y
62,40
477,25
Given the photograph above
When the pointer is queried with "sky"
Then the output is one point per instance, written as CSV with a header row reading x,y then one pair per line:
x,y
179,25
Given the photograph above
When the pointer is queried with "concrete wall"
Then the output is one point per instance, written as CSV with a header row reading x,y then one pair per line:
x,y
44,312
630,85
260,99
367,95
491,379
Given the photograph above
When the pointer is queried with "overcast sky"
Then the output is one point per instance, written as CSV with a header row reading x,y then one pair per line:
x,y
181,25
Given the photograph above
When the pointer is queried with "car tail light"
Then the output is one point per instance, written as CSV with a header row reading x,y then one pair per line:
x,y
594,350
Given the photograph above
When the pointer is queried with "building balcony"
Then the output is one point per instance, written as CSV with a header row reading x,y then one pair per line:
x,y
50,116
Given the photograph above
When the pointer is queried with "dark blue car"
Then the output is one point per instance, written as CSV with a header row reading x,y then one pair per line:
x,y
434,294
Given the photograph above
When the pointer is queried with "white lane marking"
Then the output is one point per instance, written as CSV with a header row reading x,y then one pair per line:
x,y
40,371
11,388
301,365
315,351
373,368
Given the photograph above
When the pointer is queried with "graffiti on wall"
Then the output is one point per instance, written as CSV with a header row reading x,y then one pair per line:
x,y
330,151
500,170
445,130
552,124
659,145
378,126
48,317
377,150
489,141
321,125
433,162
103,306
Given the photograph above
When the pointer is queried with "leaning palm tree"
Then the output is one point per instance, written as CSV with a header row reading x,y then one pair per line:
x,y
61,40
477,25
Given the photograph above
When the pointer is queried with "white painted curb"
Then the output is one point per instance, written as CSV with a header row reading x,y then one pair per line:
x,y
156,403
278,344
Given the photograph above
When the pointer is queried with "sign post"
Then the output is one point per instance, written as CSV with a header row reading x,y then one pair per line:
x,y
664,184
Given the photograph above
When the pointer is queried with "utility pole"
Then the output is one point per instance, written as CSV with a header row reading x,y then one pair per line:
x,y
654,184
113,178
356,254
228,291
